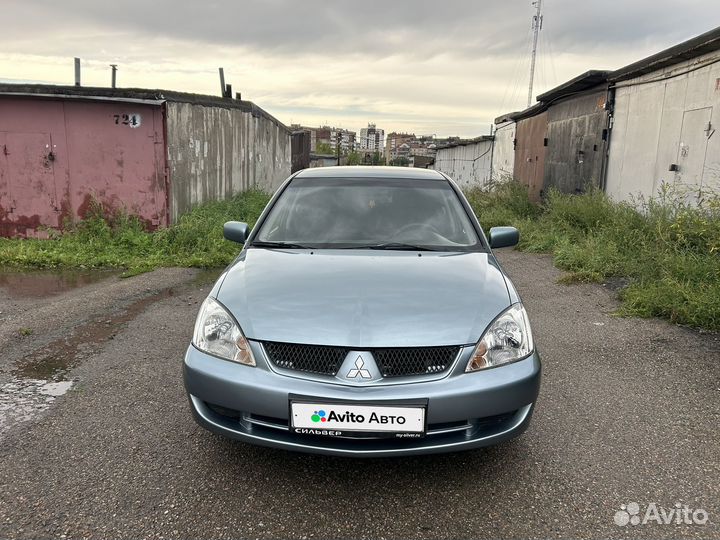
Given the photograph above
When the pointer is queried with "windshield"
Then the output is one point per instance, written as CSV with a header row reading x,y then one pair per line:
x,y
372,213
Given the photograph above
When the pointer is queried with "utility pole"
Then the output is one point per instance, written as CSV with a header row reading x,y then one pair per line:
x,y
536,26
339,136
113,79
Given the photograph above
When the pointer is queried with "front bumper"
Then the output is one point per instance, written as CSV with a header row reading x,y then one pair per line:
x,y
463,410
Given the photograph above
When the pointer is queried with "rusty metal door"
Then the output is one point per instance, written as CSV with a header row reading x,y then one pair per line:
x,y
530,153
5,195
160,185
693,147
30,179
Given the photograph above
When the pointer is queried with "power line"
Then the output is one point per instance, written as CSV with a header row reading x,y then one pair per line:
x,y
517,73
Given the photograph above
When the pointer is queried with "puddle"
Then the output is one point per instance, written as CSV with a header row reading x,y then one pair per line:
x,y
23,399
43,283
41,377
206,276
55,389
53,361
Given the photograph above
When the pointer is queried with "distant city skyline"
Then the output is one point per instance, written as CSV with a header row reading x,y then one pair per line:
x,y
444,69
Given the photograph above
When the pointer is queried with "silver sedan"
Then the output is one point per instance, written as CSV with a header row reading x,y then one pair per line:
x,y
365,316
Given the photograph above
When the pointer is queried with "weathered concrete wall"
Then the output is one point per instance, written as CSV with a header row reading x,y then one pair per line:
x,y
663,123
56,155
575,150
467,164
530,153
301,141
216,152
503,162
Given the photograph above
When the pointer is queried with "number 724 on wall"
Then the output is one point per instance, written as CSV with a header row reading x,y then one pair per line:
x,y
132,119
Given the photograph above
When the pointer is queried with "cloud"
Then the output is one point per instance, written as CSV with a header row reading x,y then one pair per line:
x,y
445,67
374,27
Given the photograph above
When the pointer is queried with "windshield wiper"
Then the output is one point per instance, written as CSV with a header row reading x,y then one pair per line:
x,y
400,246
278,245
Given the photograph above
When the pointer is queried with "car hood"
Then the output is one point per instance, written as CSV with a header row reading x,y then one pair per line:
x,y
364,299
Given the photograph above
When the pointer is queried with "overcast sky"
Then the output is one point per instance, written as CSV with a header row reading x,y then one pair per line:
x,y
431,67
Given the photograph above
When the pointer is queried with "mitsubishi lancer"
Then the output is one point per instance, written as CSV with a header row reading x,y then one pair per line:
x,y
366,315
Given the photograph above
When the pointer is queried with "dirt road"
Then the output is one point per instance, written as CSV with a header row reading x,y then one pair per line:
x,y
628,412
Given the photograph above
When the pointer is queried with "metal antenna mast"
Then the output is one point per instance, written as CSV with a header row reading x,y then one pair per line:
x,y
536,26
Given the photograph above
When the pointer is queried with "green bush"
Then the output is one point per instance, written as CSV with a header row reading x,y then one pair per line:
x,y
121,241
668,247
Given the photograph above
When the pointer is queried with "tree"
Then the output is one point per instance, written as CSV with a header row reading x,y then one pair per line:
x,y
324,148
354,158
401,161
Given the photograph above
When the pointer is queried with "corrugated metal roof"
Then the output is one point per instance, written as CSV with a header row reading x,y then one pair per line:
x,y
530,111
75,97
692,48
466,142
131,95
507,117
582,82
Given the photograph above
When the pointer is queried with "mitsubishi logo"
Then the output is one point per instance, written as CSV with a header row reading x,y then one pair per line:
x,y
359,370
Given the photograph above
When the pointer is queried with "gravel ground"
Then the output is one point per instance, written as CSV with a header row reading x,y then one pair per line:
x,y
628,412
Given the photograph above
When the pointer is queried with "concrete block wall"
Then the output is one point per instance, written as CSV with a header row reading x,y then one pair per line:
x,y
215,153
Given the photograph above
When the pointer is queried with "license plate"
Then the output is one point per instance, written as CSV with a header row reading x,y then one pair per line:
x,y
335,418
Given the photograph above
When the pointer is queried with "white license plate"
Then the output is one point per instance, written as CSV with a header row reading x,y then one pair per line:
x,y
364,418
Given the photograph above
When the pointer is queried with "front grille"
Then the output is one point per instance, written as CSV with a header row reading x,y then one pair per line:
x,y
414,361
309,358
397,362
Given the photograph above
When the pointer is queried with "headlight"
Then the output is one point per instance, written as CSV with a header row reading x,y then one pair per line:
x,y
217,333
508,338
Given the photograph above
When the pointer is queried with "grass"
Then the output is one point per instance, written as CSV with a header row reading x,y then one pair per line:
x,y
668,250
121,241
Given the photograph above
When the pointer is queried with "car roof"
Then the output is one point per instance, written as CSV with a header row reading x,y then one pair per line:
x,y
370,172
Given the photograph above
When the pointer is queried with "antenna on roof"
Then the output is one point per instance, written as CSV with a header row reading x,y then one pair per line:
x,y
223,88
77,71
536,26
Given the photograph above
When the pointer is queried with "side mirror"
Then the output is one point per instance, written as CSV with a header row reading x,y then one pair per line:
x,y
501,237
236,231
